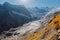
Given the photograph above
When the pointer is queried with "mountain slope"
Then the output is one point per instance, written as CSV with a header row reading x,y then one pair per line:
x,y
35,25
12,16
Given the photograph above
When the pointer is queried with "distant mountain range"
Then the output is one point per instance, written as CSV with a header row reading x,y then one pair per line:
x,y
12,16
38,13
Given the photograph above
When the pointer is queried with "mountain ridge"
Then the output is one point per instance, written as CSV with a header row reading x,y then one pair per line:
x,y
9,19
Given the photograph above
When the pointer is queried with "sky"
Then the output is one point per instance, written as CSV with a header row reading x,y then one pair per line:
x,y
34,3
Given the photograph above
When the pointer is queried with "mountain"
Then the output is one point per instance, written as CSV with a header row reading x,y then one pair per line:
x,y
33,26
17,19
39,24
18,8
38,13
12,16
